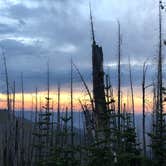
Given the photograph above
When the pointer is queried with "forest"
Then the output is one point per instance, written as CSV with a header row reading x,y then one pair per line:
x,y
106,132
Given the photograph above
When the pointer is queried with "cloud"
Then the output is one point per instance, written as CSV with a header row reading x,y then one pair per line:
x,y
5,29
36,31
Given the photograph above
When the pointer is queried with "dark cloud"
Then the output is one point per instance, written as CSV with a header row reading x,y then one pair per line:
x,y
54,31
5,29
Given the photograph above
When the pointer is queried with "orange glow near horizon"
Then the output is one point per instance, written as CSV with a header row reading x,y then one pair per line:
x,y
30,100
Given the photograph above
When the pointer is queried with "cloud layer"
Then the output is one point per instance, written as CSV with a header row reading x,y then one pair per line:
x,y
33,32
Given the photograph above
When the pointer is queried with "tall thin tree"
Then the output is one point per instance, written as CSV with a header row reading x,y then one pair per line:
x,y
143,107
22,122
119,74
132,94
71,102
7,81
58,113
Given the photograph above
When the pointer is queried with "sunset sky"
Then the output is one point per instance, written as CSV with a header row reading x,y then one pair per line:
x,y
33,32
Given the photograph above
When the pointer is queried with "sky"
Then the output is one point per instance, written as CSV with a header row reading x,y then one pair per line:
x,y
34,32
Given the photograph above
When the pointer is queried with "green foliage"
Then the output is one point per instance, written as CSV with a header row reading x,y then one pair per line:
x,y
61,156
101,156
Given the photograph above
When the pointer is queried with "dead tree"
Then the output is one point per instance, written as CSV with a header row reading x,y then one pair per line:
x,y
158,138
71,102
48,114
86,87
89,119
36,106
143,107
22,155
8,131
132,94
100,111
13,99
58,115
7,81
160,74
119,76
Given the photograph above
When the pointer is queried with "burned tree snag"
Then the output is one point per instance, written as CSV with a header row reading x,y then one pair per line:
x,y
98,81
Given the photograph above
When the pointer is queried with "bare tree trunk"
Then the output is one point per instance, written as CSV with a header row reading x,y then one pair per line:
x,y
160,74
22,159
48,110
7,82
143,108
71,104
36,106
119,75
14,96
80,134
86,87
132,94
58,116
